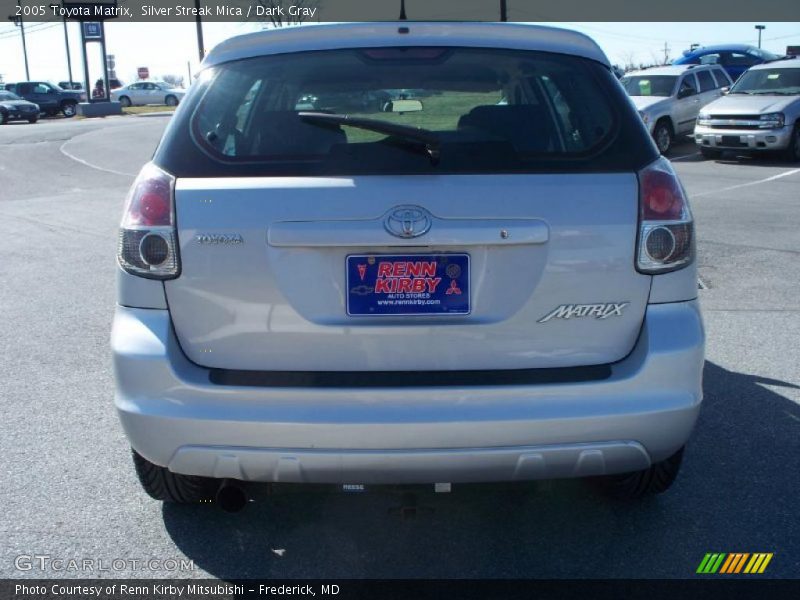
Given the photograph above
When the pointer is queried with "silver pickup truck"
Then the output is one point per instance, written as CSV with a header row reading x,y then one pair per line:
x,y
761,113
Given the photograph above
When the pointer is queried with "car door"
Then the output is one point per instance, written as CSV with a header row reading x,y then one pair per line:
x,y
158,94
151,94
43,95
687,104
134,92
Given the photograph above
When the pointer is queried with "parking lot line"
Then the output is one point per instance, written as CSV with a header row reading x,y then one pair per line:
x,y
749,183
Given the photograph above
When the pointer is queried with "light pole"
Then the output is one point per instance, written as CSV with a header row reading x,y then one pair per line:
x,y
760,29
19,23
503,10
69,59
201,50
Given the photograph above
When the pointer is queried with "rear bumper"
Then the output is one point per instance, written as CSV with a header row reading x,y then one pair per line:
x,y
175,417
748,139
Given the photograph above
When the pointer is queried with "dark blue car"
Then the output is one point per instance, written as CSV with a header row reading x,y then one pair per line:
x,y
734,58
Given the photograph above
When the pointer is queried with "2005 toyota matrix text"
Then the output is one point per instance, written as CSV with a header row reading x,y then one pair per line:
x,y
407,253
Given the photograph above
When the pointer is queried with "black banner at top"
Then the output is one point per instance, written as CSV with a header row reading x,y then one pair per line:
x,y
320,11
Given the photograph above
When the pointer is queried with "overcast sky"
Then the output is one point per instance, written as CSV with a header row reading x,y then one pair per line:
x,y
166,48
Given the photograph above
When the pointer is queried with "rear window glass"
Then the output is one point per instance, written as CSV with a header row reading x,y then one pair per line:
x,y
482,110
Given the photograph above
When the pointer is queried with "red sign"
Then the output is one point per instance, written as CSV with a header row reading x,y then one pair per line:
x,y
143,72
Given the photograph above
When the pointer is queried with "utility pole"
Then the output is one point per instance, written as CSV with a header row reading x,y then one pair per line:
x,y
503,10
17,20
760,29
666,53
402,10
201,49
69,59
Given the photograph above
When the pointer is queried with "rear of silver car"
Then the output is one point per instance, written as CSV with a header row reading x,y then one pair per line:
x,y
487,275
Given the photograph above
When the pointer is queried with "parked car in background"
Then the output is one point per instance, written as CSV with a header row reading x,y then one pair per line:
x,y
761,113
670,98
14,108
51,98
734,58
453,290
148,92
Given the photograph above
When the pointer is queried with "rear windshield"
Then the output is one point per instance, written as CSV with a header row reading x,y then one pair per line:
x,y
477,110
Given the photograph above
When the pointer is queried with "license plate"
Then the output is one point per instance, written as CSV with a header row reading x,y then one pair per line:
x,y
731,140
408,284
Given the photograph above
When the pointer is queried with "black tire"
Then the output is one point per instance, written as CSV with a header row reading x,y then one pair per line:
x,y
171,101
793,151
3,118
125,101
655,480
69,109
162,484
662,134
710,153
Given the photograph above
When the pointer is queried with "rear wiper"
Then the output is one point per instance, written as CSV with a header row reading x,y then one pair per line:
x,y
430,139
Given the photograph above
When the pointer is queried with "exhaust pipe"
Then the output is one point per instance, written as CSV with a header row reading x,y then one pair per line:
x,y
231,497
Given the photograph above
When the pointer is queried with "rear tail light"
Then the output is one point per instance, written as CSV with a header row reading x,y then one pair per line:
x,y
666,228
148,241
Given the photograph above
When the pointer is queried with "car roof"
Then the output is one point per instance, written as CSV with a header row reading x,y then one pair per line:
x,y
670,70
358,35
721,48
786,63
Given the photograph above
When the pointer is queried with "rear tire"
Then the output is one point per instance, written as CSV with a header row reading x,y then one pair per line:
x,y
69,109
162,484
124,101
793,151
662,134
710,153
655,480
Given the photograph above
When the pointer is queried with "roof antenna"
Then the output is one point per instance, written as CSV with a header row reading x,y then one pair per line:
x,y
403,10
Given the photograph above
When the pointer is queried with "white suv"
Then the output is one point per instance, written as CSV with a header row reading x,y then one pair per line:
x,y
670,98
488,275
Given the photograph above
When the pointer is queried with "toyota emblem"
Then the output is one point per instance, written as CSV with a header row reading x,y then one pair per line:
x,y
408,221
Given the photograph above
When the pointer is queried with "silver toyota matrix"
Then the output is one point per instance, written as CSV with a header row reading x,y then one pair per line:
x,y
407,253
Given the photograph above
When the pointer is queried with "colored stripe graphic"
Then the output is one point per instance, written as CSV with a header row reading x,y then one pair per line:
x,y
728,562
711,562
733,563
765,563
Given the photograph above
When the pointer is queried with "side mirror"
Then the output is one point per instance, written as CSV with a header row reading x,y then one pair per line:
x,y
725,90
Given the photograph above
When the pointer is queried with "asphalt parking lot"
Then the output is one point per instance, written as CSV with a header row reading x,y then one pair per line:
x,y
69,490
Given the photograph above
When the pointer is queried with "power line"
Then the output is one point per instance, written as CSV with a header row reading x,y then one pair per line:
x,y
28,30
